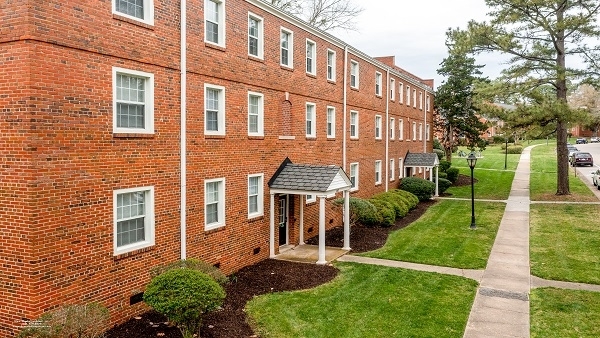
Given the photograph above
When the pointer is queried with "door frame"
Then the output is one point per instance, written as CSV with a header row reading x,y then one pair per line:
x,y
286,215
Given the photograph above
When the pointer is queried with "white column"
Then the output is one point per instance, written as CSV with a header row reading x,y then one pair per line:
x,y
431,174
322,231
302,198
346,220
272,227
437,181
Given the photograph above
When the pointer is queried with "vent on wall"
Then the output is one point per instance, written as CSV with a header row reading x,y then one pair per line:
x,y
256,250
138,297
310,230
217,265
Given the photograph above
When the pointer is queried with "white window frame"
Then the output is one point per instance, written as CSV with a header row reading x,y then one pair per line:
x,y
311,47
331,65
420,100
148,101
427,103
400,167
427,132
220,204
392,128
414,131
330,122
414,98
259,196
221,110
220,23
355,124
313,119
354,74
290,48
392,89
148,12
310,199
401,93
392,169
420,131
149,223
378,83
356,172
378,127
260,35
260,115
408,95
377,172
400,129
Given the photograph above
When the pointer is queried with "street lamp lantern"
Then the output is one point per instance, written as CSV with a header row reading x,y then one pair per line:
x,y
472,161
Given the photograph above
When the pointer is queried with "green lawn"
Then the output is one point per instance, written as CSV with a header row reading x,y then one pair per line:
x,y
368,301
442,236
493,158
565,242
491,184
564,313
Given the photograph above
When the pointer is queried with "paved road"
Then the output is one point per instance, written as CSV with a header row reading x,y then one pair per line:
x,y
586,172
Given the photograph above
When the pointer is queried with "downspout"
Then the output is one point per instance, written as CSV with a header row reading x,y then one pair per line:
x,y
422,103
387,133
345,101
183,136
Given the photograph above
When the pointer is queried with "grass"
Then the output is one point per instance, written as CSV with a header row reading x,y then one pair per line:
x,y
368,301
490,184
564,313
565,242
442,236
493,158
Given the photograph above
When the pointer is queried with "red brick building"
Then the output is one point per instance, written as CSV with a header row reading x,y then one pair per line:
x,y
128,142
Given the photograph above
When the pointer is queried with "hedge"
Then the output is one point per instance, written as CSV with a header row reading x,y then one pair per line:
x,y
385,212
443,184
421,188
409,197
398,202
452,174
514,149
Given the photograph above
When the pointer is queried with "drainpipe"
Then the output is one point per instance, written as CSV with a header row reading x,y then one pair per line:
x,y
387,134
183,136
345,99
422,103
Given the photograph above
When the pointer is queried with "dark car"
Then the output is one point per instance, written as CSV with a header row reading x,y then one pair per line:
x,y
582,158
581,141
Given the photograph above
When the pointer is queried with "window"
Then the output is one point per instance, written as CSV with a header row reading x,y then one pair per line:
x,y
414,97
392,89
133,101
330,65
408,95
378,127
400,129
310,120
311,199
378,83
214,110
421,100
427,103
311,55
414,131
214,203
138,10
354,74
392,128
420,131
400,168
401,93
255,114
354,176
214,17
377,172
255,195
133,217
330,122
255,36
353,124
427,132
287,48
392,168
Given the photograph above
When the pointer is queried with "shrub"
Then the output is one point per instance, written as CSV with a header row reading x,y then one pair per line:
x,y
193,264
410,199
452,174
444,165
421,188
398,202
514,149
385,212
437,144
443,184
183,295
440,153
80,320
442,175
503,146
361,211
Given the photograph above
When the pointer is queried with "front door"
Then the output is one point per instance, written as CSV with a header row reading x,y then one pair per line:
x,y
283,220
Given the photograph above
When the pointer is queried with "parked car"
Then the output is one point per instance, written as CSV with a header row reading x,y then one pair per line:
x,y
582,158
594,139
596,178
571,149
581,140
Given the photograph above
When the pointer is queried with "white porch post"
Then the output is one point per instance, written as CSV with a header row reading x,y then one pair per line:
x,y
431,174
272,227
437,181
322,231
346,220
302,197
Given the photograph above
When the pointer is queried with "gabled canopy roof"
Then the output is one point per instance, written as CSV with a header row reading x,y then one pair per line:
x,y
308,178
421,160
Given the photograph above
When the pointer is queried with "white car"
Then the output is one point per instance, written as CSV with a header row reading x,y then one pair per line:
x,y
596,178
594,139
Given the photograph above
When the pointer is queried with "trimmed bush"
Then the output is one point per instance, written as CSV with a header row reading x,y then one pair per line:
x,y
442,175
81,320
443,184
398,202
385,212
194,264
361,211
183,295
421,188
444,165
410,199
452,174
440,153
514,149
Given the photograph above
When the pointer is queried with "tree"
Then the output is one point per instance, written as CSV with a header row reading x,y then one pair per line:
x,y
587,98
326,15
456,111
538,35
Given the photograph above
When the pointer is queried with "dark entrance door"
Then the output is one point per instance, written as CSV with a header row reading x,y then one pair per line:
x,y
283,220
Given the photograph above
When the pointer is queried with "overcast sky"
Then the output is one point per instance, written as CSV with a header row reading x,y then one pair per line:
x,y
414,31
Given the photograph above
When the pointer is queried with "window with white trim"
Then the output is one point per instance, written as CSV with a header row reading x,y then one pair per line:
x,y
330,122
420,100
214,22
420,131
331,65
400,129
427,103
214,203
392,89
353,124
354,176
414,131
408,95
310,120
392,128
255,195
214,110
256,114
378,127
401,93
354,72
133,226
287,48
311,198
378,172
311,57
392,168
133,101
427,130
414,97
255,36
400,168
138,10
378,83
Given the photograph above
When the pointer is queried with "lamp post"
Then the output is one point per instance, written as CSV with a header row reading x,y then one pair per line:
x,y
472,160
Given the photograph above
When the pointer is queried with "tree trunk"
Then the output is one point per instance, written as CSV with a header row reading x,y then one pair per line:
x,y
562,161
